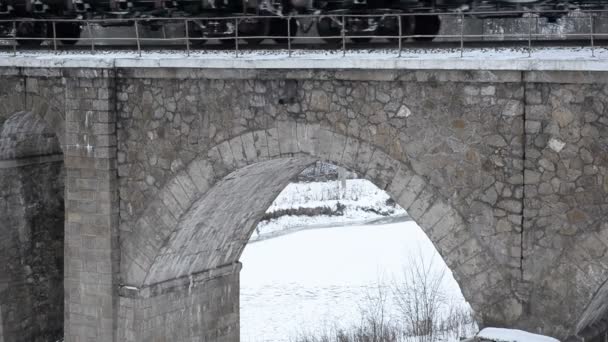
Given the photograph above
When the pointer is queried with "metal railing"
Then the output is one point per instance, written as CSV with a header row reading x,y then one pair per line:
x,y
190,38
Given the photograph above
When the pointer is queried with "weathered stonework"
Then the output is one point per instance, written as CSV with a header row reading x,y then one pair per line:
x,y
169,170
31,249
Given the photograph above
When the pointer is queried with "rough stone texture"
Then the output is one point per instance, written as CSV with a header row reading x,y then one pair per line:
x,y
170,129
31,248
91,276
168,170
198,307
567,200
26,135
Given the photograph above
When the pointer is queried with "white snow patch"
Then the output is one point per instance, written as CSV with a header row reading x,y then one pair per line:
x,y
512,335
574,59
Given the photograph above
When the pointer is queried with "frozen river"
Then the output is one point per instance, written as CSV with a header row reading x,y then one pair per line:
x,y
312,280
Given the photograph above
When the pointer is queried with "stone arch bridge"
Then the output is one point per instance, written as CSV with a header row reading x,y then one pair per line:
x,y
167,171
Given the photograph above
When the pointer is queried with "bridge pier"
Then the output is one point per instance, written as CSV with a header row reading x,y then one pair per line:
x,y
200,307
92,207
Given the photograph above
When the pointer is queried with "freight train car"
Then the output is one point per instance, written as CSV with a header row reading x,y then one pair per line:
x,y
229,18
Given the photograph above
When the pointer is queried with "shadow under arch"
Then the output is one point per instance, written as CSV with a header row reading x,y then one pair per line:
x,y
32,184
202,219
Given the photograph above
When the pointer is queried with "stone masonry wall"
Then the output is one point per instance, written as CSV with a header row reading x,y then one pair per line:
x,y
463,143
31,254
566,193
505,170
462,132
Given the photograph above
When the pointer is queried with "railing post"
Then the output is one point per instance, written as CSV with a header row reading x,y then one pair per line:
x,y
91,36
187,37
591,18
54,36
399,20
529,35
343,36
461,35
137,37
289,35
236,37
15,38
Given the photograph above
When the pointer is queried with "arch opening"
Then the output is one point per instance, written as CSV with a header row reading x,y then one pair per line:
x,y
32,183
335,256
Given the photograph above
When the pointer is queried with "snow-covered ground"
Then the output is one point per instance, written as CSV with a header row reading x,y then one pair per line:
x,y
362,202
512,335
315,280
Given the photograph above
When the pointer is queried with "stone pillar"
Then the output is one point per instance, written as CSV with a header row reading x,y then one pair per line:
x,y
91,239
201,307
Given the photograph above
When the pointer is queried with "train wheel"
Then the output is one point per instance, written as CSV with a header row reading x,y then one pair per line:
x,y
253,28
67,33
30,29
427,25
196,35
392,28
278,28
327,27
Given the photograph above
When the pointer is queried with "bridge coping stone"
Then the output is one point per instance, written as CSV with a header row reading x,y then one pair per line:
x,y
562,60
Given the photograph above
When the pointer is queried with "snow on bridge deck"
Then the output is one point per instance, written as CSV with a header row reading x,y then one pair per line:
x,y
542,59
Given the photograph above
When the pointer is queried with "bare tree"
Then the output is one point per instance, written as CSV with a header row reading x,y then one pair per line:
x,y
420,297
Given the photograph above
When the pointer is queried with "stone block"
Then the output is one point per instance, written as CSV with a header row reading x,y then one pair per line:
x,y
249,147
421,204
272,139
261,145
411,191
238,152
288,135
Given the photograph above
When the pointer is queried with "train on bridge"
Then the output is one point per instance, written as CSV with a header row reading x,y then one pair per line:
x,y
256,20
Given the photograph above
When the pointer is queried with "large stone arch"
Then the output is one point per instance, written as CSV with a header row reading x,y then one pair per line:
x,y
185,231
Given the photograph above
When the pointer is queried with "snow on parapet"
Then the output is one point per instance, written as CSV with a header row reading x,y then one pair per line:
x,y
511,335
541,59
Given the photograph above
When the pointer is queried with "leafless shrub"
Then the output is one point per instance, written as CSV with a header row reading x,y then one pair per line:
x,y
420,297
420,311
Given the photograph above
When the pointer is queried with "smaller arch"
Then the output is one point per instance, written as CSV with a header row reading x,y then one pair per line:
x,y
39,106
25,135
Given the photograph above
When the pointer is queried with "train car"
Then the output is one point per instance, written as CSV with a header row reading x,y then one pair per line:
x,y
360,19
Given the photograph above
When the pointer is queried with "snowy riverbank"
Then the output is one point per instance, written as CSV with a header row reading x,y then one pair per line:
x,y
321,204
